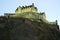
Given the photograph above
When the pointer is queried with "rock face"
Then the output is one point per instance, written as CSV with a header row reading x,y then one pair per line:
x,y
25,29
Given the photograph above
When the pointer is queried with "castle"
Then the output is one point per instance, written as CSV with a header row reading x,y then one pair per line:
x,y
23,9
27,24
30,12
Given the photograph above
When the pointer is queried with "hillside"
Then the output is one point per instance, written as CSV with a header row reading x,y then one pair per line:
x,y
25,29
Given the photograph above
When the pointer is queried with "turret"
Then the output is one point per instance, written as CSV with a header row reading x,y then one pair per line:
x,y
34,9
33,4
18,10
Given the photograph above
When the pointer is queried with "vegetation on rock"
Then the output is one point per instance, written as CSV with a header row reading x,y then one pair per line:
x,y
25,29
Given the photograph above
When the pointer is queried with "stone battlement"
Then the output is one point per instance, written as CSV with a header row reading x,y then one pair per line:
x,y
23,9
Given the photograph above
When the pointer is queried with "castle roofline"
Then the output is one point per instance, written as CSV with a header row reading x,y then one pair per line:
x,y
28,6
23,7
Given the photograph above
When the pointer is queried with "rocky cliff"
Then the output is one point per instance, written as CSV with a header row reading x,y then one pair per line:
x,y
25,29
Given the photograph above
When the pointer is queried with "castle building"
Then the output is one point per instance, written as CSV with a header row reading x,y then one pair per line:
x,y
25,9
30,12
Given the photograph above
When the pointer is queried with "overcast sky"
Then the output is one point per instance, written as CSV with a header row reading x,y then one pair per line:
x,y
50,7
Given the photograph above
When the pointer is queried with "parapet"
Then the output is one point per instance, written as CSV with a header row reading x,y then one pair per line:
x,y
23,9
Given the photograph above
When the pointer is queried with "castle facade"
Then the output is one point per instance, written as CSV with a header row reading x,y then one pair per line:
x,y
25,9
29,12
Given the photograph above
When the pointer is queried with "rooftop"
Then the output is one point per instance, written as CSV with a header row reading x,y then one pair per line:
x,y
23,7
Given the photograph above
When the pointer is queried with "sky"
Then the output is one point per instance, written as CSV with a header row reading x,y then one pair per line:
x,y
50,7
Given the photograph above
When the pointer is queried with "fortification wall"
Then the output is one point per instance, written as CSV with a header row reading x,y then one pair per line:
x,y
19,11
33,15
23,9
27,10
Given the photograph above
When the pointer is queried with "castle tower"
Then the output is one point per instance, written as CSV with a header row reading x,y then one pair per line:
x,y
34,9
18,10
33,4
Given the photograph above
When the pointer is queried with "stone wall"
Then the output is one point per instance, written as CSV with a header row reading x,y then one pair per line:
x,y
23,9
